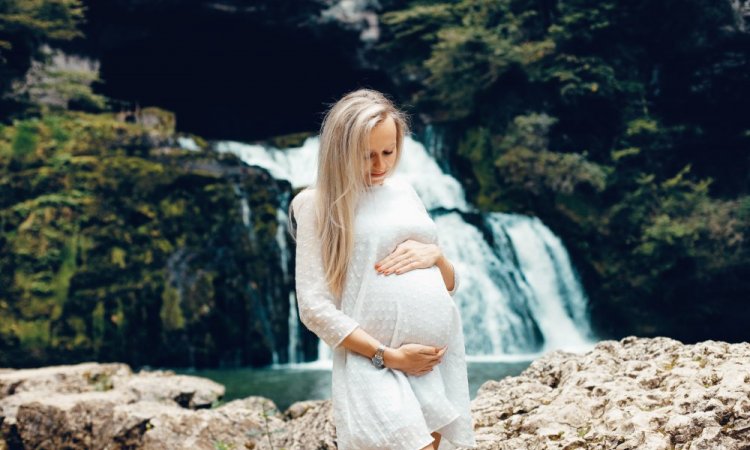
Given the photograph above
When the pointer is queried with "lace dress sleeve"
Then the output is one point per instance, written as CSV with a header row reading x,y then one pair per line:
x,y
455,280
317,308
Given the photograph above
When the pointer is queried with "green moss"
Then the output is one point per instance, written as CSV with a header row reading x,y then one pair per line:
x,y
117,257
93,224
221,445
290,140
171,312
99,325
672,362
26,139
32,333
59,134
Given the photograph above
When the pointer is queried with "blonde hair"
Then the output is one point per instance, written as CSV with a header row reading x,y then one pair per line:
x,y
342,172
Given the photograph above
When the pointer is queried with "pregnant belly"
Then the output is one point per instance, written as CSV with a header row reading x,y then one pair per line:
x,y
413,307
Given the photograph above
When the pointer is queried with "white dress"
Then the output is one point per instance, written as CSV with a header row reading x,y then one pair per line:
x,y
386,408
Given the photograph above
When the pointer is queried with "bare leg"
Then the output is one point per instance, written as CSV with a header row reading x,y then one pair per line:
x,y
437,437
435,443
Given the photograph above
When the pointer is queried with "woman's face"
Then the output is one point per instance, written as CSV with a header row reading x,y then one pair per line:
x,y
382,151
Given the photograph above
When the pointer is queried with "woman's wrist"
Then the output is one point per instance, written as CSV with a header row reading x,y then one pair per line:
x,y
391,357
441,257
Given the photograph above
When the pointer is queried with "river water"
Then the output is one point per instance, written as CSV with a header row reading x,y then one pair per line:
x,y
295,383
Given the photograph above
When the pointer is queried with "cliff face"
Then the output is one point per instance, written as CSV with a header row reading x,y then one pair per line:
x,y
231,69
117,244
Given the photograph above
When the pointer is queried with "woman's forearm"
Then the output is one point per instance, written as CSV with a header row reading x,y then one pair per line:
x,y
446,270
360,341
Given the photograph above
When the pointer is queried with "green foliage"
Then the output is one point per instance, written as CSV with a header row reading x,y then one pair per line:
x,y
476,146
221,445
613,127
469,46
110,253
525,162
171,312
678,219
467,61
538,172
39,20
25,139
581,77
26,24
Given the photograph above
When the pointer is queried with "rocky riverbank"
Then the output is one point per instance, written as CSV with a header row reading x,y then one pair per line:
x,y
636,393
633,394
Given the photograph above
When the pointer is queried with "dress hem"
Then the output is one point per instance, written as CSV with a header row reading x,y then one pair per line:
x,y
432,439
454,442
446,423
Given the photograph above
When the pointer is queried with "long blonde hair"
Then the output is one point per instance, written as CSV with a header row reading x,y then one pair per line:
x,y
342,169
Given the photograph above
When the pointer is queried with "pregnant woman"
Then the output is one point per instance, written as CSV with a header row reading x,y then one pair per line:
x,y
373,284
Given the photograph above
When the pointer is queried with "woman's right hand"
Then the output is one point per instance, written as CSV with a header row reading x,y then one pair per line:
x,y
413,359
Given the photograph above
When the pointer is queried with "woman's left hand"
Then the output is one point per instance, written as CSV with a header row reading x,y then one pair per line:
x,y
409,255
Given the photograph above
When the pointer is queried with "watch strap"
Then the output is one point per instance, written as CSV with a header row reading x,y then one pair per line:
x,y
377,359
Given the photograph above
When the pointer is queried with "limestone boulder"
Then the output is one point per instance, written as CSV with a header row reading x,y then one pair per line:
x,y
636,393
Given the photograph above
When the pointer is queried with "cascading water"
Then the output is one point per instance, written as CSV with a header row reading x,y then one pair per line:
x,y
519,294
246,212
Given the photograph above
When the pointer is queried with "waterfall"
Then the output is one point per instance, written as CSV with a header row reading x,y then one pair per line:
x,y
519,294
741,10
260,308
293,322
548,288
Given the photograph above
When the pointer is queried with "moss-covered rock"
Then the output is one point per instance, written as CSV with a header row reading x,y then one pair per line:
x,y
290,140
114,250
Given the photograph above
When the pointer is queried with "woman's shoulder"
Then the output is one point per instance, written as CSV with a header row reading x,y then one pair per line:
x,y
305,192
303,197
401,183
404,185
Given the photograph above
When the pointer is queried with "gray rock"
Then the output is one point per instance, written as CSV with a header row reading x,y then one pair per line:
x,y
73,421
310,425
106,406
164,386
637,393
82,377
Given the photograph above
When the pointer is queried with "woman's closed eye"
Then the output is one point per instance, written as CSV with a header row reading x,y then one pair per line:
x,y
385,153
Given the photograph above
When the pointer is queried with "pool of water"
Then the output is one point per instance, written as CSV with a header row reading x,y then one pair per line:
x,y
286,385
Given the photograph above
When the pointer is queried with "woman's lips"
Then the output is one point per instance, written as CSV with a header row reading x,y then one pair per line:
x,y
377,174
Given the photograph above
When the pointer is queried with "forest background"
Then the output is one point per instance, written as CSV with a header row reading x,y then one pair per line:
x,y
621,124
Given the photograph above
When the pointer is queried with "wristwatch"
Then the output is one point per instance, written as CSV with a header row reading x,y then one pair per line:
x,y
378,358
